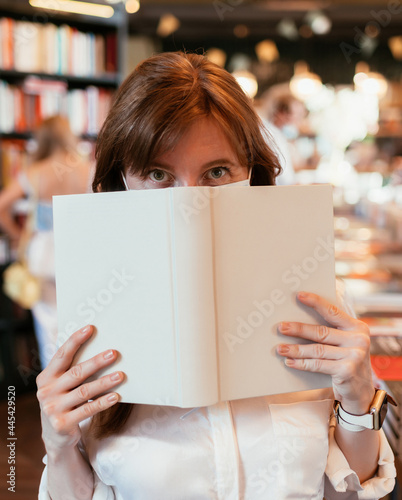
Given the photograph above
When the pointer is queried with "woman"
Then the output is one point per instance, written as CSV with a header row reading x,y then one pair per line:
x,y
179,120
57,168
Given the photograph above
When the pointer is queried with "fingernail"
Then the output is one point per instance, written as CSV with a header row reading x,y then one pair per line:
x,y
302,295
289,362
112,397
86,329
108,354
115,376
284,326
283,348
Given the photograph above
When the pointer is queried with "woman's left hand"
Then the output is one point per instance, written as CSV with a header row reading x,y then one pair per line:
x,y
341,350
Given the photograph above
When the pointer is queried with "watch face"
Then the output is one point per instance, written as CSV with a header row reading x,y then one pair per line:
x,y
383,411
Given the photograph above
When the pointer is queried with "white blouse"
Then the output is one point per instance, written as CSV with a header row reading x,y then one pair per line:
x,y
279,447
274,447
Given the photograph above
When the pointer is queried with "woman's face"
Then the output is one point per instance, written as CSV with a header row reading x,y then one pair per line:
x,y
203,157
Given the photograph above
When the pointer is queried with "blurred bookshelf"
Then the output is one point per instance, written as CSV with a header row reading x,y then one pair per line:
x,y
50,63
55,63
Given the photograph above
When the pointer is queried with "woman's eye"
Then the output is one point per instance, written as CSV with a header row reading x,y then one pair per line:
x,y
218,172
158,175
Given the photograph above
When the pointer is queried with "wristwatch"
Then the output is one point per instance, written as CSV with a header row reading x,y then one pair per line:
x,y
372,420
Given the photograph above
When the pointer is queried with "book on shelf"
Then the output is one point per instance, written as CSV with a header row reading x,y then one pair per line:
x,y
388,326
189,285
386,357
6,45
47,48
375,303
27,105
387,367
111,51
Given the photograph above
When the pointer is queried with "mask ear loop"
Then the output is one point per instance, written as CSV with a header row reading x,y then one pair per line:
x,y
124,180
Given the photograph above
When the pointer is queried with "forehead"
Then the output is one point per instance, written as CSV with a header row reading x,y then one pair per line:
x,y
203,141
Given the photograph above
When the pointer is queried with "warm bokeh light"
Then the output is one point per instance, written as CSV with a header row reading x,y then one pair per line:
x,y
217,56
89,9
132,6
247,82
305,31
304,83
288,29
319,22
372,30
395,46
168,24
241,31
368,82
374,84
267,51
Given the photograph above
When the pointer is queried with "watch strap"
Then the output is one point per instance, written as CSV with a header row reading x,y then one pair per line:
x,y
371,420
351,422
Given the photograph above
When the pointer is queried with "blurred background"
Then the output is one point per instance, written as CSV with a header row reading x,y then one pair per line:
x,y
326,78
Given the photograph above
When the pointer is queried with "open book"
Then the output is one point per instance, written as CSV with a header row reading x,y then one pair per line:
x,y
189,285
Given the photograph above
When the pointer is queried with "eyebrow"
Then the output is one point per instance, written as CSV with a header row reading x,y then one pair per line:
x,y
210,164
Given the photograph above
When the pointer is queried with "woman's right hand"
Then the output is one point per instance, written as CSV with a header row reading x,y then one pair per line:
x,y
63,394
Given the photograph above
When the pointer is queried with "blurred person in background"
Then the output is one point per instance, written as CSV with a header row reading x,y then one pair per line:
x,y
282,115
396,171
57,168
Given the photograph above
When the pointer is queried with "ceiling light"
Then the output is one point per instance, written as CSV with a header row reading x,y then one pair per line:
x,y
372,30
368,46
304,83
239,62
132,6
247,81
361,71
89,9
267,51
217,56
319,22
395,46
369,82
288,29
168,24
374,84
241,30
305,31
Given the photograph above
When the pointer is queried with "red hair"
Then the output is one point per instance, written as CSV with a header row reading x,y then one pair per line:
x,y
158,102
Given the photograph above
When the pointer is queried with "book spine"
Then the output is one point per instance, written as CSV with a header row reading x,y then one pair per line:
x,y
111,56
99,54
8,43
2,41
193,291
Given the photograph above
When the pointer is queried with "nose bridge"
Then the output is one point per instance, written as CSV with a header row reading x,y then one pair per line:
x,y
189,179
